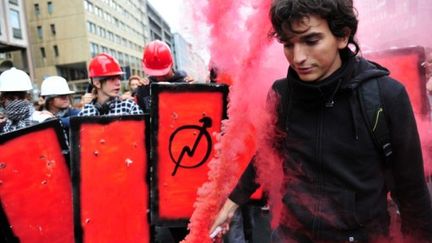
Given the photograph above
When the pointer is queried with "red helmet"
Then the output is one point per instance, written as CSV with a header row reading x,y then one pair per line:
x,y
104,65
157,58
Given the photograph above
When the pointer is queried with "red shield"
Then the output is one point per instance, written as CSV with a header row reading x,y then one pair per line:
x,y
185,119
109,172
35,187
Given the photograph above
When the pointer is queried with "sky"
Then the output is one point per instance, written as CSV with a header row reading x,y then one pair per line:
x,y
174,12
170,10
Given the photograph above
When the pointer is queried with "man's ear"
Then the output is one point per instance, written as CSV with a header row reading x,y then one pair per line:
x,y
97,83
343,41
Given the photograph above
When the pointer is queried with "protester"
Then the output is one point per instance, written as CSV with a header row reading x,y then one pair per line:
x,y
56,95
218,76
105,75
158,65
133,83
336,176
15,99
428,68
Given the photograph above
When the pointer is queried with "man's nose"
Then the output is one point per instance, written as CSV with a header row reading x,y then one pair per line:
x,y
299,54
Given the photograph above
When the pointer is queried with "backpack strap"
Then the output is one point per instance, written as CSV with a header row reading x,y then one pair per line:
x,y
371,106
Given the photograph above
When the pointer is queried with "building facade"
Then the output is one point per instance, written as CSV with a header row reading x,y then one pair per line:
x,y
158,27
65,35
188,59
13,36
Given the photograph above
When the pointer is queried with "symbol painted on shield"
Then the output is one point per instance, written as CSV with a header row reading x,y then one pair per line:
x,y
202,132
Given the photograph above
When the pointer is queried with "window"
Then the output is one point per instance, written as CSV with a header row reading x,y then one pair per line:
x,y
99,12
113,53
50,7
43,54
15,24
120,58
37,9
104,49
103,32
79,71
53,29
110,36
90,7
94,49
126,57
39,32
14,2
56,51
91,27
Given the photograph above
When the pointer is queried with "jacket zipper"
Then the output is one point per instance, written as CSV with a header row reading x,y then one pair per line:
x,y
319,181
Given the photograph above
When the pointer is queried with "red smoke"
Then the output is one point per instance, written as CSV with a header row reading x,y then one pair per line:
x,y
394,24
238,44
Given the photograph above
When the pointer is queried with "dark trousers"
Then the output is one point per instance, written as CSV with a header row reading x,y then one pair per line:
x,y
250,224
170,234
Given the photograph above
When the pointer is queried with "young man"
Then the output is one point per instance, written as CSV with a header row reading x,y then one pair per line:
x,y
105,75
133,83
56,95
335,188
158,65
18,110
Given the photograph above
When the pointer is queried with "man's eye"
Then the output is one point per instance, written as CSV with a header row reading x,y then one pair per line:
x,y
311,42
288,45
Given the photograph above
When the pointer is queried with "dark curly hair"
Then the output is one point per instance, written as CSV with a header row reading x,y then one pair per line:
x,y
340,15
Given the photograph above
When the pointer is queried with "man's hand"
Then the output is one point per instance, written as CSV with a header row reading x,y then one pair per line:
x,y
144,81
127,96
87,98
189,79
221,224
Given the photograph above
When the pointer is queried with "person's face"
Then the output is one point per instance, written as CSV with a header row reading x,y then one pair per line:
x,y
134,83
3,117
109,88
165,77
428,65
312,50
5,100
61,102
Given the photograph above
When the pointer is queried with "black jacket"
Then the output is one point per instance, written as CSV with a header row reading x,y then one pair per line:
x,y
143,92
334,185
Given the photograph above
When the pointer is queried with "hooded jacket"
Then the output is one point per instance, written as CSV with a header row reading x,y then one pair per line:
x,y
335,186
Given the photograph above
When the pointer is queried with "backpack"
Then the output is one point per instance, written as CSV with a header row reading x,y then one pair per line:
x,y
369,97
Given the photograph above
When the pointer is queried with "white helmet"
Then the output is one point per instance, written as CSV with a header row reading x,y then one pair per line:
x,y
15,80
55,85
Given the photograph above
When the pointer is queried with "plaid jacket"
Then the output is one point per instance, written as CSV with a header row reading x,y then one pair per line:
x,y
111,108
